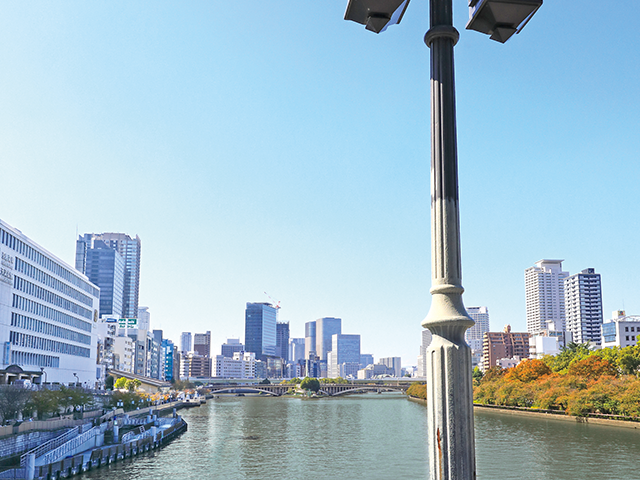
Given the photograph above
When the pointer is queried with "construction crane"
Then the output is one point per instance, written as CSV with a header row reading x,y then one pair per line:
x,y
273,300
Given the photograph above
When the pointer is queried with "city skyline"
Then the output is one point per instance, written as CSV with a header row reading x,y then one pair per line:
x,y
247,166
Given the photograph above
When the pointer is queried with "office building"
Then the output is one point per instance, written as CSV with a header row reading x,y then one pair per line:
x,y
240,365
129,249
343,360
505,344
48,314
326,328
185,342
282,341
296,350
583,307
310,339
105,268
193,365
474,335
202,344
232,346
394,363
144,318
621,331
168,350
260,330
366,359
544,295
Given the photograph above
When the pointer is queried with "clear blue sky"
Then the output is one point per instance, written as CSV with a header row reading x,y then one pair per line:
x,y
272,146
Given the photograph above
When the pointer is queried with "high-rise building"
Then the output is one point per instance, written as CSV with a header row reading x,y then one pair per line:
x,y
105,268
475,335
344,357
366,359
232,346
326,328
144,318
394,363
505,344
168,348
583,307
260,330
185,342
309,339
282,341
544,286
296,350
202,344
48,314
129,249
480,315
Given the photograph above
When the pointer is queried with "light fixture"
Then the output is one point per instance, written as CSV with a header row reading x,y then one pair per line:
x,y
376,15
501,18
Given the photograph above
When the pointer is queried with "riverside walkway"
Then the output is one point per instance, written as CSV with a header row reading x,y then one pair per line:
x,y
100,443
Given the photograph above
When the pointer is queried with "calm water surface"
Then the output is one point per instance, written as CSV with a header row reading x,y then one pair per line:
x,y
374,437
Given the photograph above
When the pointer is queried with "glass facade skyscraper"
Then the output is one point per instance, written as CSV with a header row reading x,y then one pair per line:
x,y
105,268
326,327
129,249
260,330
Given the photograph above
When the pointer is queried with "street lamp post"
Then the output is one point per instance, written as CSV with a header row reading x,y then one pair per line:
x,y
449,384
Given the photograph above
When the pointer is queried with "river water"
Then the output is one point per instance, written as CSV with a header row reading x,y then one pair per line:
x,y
371,436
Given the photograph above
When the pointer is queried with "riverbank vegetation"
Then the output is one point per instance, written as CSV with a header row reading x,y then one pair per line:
x,y
578,381
417,390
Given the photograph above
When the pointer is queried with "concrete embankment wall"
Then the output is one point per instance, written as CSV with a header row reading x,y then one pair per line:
x,y
15,445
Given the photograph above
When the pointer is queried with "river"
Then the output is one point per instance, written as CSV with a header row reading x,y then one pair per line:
x,y
371,436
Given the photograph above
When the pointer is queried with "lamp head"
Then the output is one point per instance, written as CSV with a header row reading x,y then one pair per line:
x,y
376,15
501,18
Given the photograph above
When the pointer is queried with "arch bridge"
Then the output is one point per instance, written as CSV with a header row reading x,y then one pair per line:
x,y
330,389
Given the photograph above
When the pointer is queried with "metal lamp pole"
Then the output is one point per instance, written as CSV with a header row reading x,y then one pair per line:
x,y
449,384
449,387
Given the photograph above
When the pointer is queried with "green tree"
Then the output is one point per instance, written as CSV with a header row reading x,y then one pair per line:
x,y
477,376
109,382
310,384
13,399
120,383
265,382
132,385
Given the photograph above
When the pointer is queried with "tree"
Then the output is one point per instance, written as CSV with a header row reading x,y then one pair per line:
x,y
310,384
592,367
13,399
265,382
477,375
120,383
109,382
45,402
132,385
528,370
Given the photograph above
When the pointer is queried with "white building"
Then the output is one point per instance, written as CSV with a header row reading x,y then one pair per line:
x,y
296,349
242,365
185,342
621,331
144,318
48,312
544,289
123,353
541,345
475,334
583,307
394,363
422,358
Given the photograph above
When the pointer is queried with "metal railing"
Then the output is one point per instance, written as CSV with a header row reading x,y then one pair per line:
x,y
64,449
50,445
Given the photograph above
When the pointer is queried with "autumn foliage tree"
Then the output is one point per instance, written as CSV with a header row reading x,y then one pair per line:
x,y
527,371
592,367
